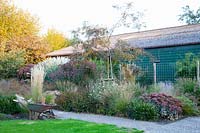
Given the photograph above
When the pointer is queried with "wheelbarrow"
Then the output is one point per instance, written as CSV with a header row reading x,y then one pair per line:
x,y
41,111
36,110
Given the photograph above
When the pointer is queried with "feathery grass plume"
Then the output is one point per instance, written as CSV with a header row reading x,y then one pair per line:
x,y
37,79
51,64
39,72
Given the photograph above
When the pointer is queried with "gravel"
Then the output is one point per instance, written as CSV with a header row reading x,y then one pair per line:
x,y
187,125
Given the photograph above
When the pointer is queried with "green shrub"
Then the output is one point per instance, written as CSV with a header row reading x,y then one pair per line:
x,y
8,106
141,110
188,107
5,117
121,107
10,63
185,85
187,67
77,102
189,88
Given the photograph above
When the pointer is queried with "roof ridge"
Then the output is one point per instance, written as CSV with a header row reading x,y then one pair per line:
x,y
167,34
184,28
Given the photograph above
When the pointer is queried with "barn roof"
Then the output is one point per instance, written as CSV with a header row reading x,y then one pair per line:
x,y
166,37
70,50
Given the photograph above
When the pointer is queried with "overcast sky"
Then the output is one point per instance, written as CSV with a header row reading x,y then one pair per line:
x,y
66,15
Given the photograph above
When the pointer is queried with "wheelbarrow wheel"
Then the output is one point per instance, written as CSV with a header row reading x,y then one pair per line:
x,y
43,116
50,114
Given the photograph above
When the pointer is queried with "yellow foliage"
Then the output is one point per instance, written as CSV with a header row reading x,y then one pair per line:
x,y
56,39
19,31
15,22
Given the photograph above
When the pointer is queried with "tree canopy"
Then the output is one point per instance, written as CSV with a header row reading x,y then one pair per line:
x,y
190,16
56,39
19,32
101,38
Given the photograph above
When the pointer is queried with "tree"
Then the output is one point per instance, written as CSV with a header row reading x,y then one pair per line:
x,y
97,40
19,32
190,16
56,39
15,23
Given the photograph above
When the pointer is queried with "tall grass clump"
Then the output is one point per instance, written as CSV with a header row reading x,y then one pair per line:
x,y
37,80
114,97
39,72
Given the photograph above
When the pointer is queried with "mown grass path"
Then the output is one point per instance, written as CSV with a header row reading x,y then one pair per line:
x,y
59,126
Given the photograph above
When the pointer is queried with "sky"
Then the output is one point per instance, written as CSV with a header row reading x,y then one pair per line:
x,y
67,15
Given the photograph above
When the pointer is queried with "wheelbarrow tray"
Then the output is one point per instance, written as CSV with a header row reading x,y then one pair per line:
x,y
40,107
41,111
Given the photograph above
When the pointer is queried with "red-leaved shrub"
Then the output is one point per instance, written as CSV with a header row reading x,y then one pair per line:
x,y
78,72
168,106
25,72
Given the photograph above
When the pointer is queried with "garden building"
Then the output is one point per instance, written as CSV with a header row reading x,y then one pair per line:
x,y
165,47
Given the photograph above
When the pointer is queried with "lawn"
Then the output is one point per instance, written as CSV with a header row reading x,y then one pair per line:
x,y
60,126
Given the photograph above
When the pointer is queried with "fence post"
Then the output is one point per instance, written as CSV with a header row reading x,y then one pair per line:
x,y
154,72
120,72
198,70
